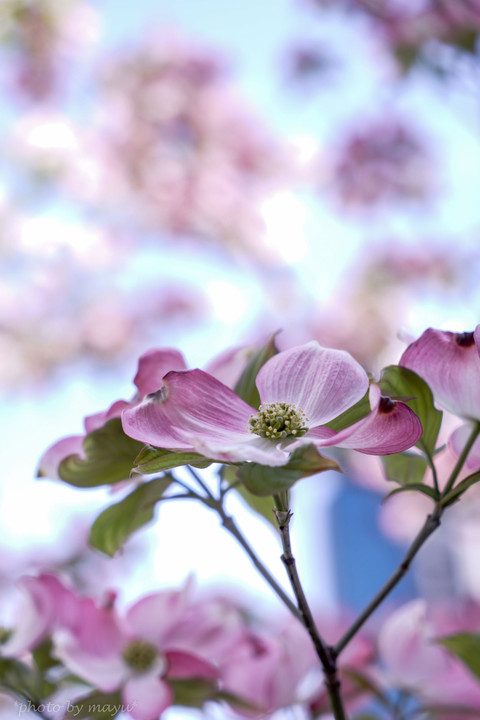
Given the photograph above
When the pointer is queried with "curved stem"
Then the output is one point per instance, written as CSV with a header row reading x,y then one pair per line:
x,y
456,470
325,653
434,473
431,524
229,524
200,482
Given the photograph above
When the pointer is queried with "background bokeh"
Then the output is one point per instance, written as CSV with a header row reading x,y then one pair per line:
x,y
200,175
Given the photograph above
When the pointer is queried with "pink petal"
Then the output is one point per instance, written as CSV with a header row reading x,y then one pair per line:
x,y
185,665
228,366
97,628
321,382
390,427
47,603
450,363
154,365
51,459
192,404
98,420
249,448
155,616
146,696
406,645
106,671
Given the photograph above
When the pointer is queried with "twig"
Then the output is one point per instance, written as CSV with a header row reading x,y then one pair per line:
x,y
431,524
325,653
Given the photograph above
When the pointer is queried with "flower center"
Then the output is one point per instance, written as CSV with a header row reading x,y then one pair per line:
x,y
140,655
278,420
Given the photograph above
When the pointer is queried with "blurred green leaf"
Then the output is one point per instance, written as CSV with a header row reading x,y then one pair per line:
x,y
264,480
466,646
459,489
42,656
96,706
414,487
398,381
246,387
193,692
404,468
25,681
154,460
115,524
109,457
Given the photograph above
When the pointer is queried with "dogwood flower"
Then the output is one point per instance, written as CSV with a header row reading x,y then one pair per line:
x,y
138,659
449,363
301,390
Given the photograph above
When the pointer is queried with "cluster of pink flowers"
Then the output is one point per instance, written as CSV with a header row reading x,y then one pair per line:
x,y
384,161
183,152
172,638
166,637
301,390
40,38
407,27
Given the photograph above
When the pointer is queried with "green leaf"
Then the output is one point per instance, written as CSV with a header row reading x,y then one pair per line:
x,y
96,706
246,387
115,524
466,646
459,489
194,692
261,505
154,460
398,381
23,680
352,415
414,487
404,468
42,656
264,480
109,457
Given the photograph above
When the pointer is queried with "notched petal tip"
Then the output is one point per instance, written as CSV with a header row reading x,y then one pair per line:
x,y
159,396
465,339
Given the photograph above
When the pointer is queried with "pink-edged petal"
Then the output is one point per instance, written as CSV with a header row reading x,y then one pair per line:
x,y
146,696
450,363
98,420
97,628
389,428
155,616
154,365
248,448
321,382
185,665
229,365
407,648
106,671
457,441
51,459
47,602
192,404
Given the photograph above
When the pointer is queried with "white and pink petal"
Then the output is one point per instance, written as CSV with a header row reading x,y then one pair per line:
x,y
450,364
146,696
153,366
390,427
321,382
191,404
